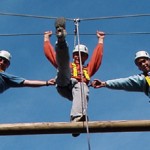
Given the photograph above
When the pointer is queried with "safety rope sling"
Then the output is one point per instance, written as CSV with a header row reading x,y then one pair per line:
x,y
147,78
83,72
75,71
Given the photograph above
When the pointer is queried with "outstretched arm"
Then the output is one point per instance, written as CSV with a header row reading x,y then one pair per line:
x,y
96,58
48,49
132,83
38,83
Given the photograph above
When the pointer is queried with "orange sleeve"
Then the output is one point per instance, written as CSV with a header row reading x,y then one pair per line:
x,y
50,53
95,60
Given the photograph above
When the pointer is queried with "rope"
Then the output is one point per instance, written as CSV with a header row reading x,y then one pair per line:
x,y
75,36
82,86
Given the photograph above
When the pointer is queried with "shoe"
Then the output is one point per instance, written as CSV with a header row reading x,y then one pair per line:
x,y
75,134
60,22
77,119
60,25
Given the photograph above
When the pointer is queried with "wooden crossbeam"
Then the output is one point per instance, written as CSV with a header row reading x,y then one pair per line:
x,y
74,127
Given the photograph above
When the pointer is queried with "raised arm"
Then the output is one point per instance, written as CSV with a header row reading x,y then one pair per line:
x,y
48,48
97,55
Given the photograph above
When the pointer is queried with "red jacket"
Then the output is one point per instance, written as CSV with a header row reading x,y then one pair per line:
x,y
91,67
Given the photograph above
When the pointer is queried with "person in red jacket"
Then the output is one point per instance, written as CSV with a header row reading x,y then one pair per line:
x,y
72,80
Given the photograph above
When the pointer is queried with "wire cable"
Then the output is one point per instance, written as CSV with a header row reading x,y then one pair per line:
x,y
70,19
81,34
31,16
25,15
115,17
22,34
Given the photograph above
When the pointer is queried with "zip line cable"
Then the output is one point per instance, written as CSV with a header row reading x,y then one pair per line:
x,y
115,17
25,15
22,34
70,19
84,102
82,34
31,16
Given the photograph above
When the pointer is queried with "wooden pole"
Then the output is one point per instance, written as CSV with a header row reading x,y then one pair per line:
x,y
74,127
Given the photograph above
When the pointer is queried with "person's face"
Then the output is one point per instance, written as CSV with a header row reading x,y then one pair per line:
x,y
77,59
143,64
4,63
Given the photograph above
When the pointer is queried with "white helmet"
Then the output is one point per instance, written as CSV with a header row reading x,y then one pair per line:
x,y
81,48
5,54
140,54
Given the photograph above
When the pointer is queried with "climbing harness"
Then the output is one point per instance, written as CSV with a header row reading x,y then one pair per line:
x,y
75,71
148,80
76,21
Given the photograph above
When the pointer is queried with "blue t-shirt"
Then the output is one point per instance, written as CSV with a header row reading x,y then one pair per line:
x,y
8,81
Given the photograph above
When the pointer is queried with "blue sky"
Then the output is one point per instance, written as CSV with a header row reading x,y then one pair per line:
x,y
44,104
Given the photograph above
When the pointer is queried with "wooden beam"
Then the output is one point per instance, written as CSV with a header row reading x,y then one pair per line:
x,y
74,127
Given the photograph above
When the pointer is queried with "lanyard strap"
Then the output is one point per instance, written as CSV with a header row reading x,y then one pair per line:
x,y
75,71
148,80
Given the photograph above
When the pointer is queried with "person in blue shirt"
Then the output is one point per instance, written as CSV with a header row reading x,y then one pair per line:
x,y
136,83
11,81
